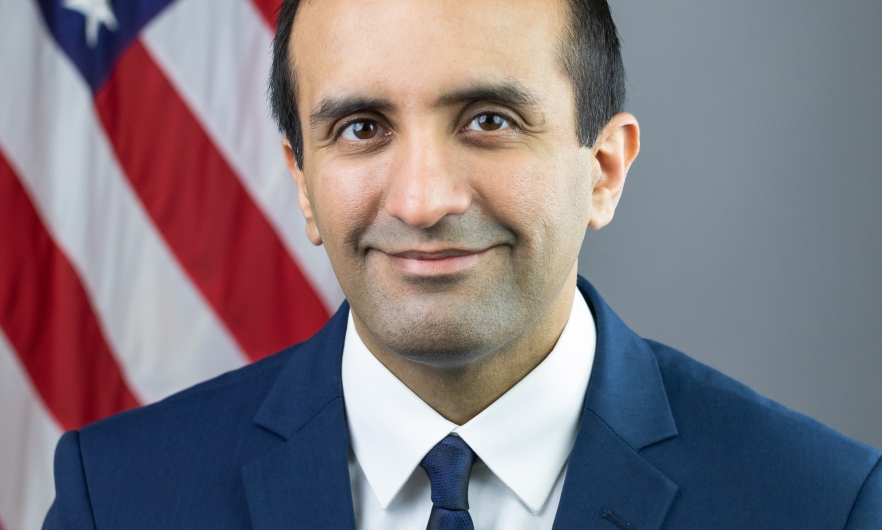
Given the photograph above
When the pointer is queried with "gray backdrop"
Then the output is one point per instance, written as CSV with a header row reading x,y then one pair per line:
x,y
750,231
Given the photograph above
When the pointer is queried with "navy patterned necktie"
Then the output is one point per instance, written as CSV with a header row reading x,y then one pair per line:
x,y
448,466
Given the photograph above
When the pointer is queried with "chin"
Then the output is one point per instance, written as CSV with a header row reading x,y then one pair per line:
x,y
444,335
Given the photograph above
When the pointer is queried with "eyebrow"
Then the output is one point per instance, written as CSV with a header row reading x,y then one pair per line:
x,y
510,93
333,108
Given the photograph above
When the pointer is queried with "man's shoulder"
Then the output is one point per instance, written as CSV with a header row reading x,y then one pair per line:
x,y
189,451
735,443
701,396
185,451
234,394
174,435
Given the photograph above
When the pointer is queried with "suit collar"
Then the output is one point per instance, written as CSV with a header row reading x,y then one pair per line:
x,y
309,381
608,484
304,482
626,389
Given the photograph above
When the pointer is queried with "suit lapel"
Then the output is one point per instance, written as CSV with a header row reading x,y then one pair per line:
x,y
304,483
608,484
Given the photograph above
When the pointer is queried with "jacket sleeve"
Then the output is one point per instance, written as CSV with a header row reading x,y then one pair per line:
x,y
866,514
72,509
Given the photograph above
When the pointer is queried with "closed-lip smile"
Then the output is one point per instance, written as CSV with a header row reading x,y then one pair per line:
x,y
436,262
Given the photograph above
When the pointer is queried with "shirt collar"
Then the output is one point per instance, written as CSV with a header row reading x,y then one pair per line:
x,y
524,437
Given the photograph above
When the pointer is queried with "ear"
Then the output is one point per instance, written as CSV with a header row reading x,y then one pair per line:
x,y
614,151
312,231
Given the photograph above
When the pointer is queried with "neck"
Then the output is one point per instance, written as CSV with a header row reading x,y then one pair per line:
x,y
459,394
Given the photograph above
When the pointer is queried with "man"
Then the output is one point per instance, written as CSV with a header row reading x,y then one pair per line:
x,y
449,155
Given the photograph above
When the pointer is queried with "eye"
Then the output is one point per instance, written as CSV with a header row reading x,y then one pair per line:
x,y
361,130
488,122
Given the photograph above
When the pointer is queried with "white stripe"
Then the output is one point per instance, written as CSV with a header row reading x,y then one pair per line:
x,y
28,435
216,53
162,331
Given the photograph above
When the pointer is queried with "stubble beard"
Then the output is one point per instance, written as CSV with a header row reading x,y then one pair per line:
x,y
452,326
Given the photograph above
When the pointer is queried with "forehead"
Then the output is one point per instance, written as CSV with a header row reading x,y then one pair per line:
x,y
415,49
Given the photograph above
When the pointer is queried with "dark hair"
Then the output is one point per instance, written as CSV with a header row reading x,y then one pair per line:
x,y
591,56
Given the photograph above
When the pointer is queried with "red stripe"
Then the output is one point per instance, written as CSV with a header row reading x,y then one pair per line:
x,y
219,235
49,320
270,11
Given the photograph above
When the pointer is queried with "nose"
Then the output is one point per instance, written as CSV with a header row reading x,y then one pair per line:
x,y
422,186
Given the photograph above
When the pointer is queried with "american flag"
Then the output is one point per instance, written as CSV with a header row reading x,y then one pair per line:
x,y
149,232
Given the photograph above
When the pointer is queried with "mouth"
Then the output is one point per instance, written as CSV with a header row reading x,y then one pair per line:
x,y
437,263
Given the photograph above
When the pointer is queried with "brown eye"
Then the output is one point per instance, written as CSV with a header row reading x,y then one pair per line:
x,y
361,130
488,122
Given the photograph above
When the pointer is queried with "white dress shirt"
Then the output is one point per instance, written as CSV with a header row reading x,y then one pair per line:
x,y
522,440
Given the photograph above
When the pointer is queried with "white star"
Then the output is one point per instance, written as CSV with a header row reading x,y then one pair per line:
x,y
97,12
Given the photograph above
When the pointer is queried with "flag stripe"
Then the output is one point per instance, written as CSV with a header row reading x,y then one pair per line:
x,y
211,224
163,332
270,11
28,435
47,316
223,83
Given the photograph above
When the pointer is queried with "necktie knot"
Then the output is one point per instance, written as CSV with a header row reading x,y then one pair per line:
x,y
448,466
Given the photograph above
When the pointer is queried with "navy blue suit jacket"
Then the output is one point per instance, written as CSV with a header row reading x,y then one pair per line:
x,y
664,442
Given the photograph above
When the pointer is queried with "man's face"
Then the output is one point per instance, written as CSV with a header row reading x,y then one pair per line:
x,y
441,171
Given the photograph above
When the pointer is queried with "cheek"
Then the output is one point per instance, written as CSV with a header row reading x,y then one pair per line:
x,y
544,200
345,200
